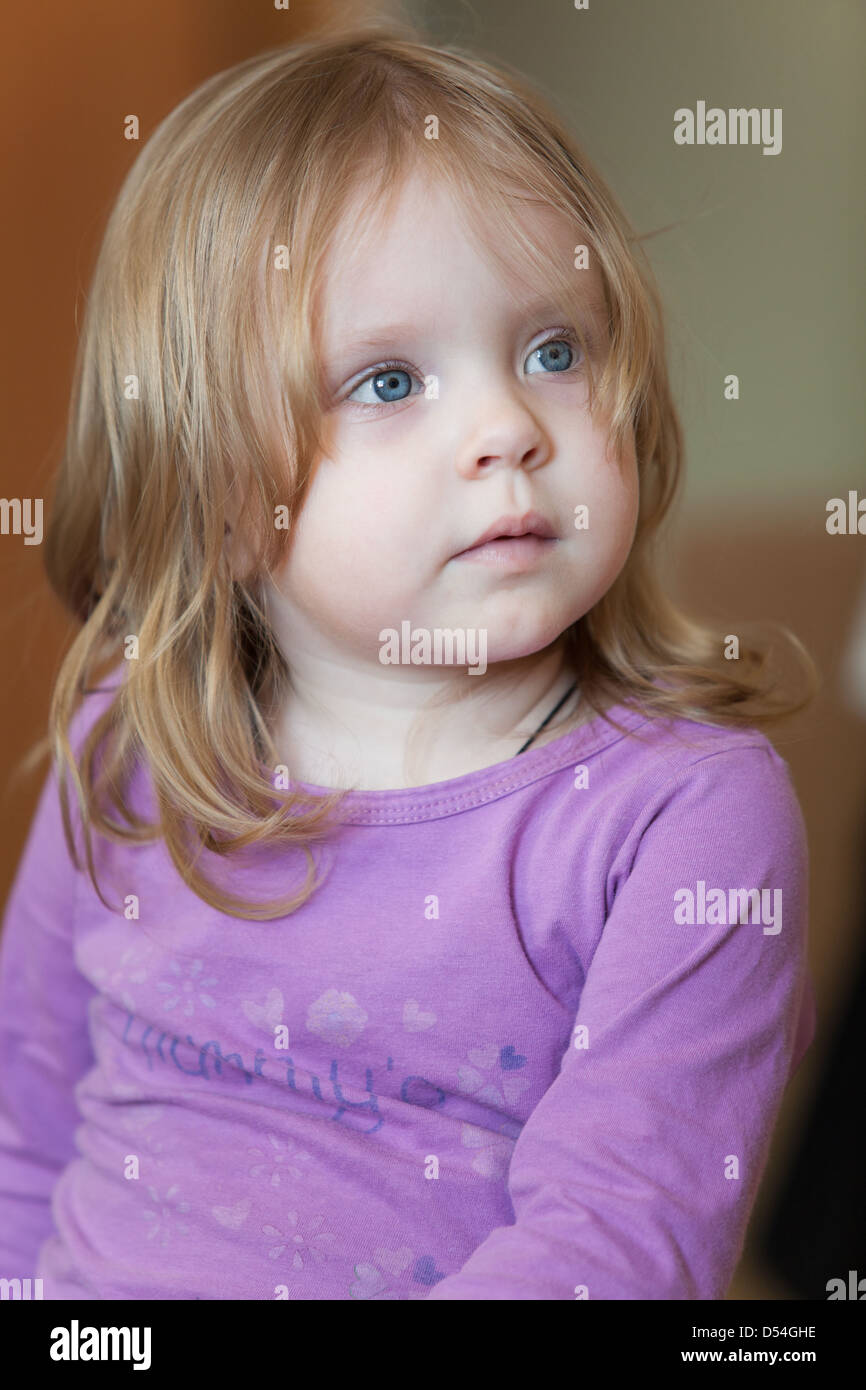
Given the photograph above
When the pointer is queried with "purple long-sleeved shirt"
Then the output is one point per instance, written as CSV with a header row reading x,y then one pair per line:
x,y
529,1051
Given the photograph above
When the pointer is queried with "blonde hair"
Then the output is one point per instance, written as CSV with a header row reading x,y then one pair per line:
x,y
230,397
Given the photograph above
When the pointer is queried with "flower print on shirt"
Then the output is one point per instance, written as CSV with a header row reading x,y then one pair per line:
x,y
142,1124
370,1282
304,1249
494,1147
163,1222
336,1017
395,1274
493,1076
283,1157
131,968
187,988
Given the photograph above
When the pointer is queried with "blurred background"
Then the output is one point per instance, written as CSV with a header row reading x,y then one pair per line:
x,y
759,260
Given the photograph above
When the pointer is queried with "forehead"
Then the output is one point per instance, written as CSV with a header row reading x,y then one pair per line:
x,y
422,248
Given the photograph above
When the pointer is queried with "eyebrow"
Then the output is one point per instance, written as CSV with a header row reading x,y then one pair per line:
x,y
379,337
384,335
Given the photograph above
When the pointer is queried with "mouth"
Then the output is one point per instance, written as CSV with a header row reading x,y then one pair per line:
x,y
512,543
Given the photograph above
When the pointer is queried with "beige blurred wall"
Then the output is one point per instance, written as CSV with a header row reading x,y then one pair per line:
x,y
764,278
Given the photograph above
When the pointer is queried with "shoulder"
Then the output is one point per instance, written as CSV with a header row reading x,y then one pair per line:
x,y
687,777
623,775
707,783
664,751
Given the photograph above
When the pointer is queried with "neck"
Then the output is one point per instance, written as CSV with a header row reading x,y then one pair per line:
x,y
385,729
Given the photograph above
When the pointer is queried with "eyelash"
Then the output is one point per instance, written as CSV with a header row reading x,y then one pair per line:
x,y
556,335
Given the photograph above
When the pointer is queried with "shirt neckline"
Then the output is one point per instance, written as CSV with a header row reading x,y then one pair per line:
x,y
433,800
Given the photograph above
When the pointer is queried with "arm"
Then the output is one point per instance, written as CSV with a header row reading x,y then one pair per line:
x,y
636,1173
44,1041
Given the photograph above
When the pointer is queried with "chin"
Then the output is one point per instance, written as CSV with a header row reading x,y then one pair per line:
x,y
524,640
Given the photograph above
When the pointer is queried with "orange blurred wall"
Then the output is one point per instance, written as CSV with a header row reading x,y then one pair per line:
x,y
72,74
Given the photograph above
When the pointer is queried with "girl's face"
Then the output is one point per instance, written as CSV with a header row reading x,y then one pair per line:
x,y
414,475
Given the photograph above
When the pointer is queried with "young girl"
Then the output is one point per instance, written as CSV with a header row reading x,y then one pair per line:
x,y
429,916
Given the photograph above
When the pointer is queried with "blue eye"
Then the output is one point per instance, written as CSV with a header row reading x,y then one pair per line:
x,y
556,354
392,382
389,380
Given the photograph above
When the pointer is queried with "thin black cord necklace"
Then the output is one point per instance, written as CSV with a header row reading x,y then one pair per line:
x,y
545,722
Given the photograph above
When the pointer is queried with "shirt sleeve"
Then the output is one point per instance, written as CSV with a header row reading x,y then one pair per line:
x,y
44,1040
635,1175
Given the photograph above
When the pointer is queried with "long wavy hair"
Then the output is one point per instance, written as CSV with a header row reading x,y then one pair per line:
x,y
198,390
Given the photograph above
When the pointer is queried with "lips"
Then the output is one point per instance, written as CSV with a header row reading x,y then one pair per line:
x,y
507,527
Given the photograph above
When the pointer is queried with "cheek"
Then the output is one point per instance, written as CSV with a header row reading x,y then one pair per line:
x,y
624,499
359,526
611,494
337,561
610,483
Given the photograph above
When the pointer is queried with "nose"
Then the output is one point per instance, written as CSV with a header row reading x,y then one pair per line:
x,y
508,436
